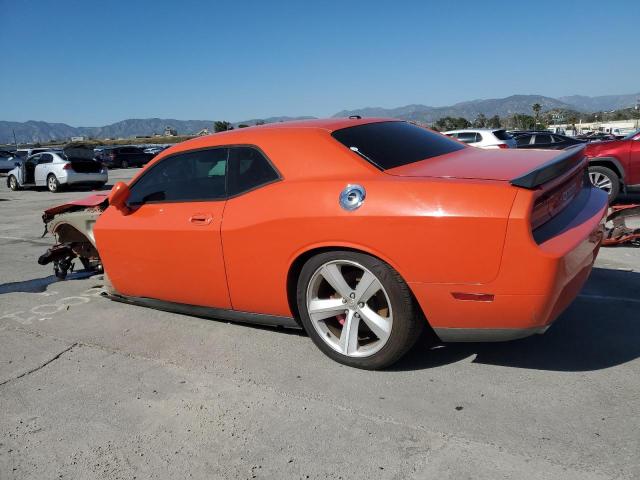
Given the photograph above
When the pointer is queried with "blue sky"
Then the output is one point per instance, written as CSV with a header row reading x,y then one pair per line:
x,y
89,63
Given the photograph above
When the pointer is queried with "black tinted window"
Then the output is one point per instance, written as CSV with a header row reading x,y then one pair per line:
x,y
189,176
468,137
502,135
392,144
541,139
46,158
248,169
523,139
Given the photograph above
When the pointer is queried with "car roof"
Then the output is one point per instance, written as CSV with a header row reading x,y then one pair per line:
x,y
327,124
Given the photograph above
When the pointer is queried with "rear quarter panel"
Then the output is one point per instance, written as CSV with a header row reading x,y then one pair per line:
x,y
440,231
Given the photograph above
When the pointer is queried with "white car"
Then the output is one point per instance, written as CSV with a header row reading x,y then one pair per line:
x,y
484,137
54,169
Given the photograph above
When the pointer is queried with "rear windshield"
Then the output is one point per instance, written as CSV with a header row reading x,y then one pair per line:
x,y
393,144
502,135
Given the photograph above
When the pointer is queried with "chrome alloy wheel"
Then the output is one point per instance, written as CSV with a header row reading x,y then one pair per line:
x,y
349,308
52,183
601,181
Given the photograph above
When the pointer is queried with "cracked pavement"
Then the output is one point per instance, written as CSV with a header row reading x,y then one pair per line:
x,y
91,388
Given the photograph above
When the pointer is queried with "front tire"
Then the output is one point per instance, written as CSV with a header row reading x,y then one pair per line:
x,y
53,185
605,179
124,164
13,183
357,309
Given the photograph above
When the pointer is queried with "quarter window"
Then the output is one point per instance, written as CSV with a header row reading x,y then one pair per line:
x,y
468,137
190,176
248,169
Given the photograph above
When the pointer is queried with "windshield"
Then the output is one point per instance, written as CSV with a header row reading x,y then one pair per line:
x,y
631,135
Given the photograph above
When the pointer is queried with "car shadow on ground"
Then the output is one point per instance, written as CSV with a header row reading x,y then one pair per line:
x,y
601,329
39,285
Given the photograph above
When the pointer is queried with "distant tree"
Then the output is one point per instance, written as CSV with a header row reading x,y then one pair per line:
x,y
243,125
259,122
451,123
221,126
536,107
494,122
480,121
521,122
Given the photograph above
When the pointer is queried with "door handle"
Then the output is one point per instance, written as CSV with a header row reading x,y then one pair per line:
x,y
200,219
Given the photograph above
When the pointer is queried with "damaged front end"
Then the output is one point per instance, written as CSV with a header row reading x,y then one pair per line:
x,y
72,226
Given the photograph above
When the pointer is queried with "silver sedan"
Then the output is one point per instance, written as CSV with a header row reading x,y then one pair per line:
x,y
55,169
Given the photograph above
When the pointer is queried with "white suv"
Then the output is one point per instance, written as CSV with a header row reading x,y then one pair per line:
x,y
484,137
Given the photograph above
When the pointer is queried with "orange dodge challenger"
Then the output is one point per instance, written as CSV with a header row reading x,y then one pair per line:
x,y
361,231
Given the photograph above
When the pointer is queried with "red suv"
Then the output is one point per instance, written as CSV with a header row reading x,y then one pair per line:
x,y
615,165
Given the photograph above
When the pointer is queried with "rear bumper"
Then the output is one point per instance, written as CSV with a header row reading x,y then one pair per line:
x,y
535,284
75,178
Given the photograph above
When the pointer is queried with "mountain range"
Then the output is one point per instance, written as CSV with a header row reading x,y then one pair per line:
x,y
37,131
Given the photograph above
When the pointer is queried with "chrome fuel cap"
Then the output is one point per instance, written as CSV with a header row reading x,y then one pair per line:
x,y
352,197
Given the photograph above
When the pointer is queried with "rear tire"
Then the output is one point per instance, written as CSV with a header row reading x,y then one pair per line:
x,y
13,183
53,185
605,179
386,323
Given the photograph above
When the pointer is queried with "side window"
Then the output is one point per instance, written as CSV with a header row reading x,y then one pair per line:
x,y
523,139
467,137
45,158
478,137
542,139
248,169
189,176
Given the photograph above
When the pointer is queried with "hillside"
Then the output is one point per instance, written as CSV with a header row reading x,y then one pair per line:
x,y
34,131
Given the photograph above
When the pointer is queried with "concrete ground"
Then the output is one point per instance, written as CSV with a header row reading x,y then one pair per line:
x,y
90,388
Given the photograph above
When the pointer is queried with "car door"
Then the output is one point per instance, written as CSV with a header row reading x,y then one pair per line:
x,y
43,167
167,244
633,173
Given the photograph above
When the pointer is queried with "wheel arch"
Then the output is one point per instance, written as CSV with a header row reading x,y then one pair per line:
x,y
295,268
609,162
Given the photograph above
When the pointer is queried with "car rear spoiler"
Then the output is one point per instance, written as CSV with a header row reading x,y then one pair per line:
x,y
568,159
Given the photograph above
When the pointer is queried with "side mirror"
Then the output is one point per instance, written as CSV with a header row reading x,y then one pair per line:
x,y
17,164
119,195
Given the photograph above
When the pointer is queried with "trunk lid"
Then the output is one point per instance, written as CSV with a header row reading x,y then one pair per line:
x,y
477,164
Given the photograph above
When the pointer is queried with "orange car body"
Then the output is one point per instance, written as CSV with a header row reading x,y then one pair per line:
x,y
454,227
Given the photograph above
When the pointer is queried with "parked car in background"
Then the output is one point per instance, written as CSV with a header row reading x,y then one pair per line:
x,y
156,149
545,140
25,153
614,165
123,157
56,169
7,161
596,137
484,137
368,255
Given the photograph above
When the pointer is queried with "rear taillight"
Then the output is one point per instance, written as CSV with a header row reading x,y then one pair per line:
x,y
553,202
67,166
503,145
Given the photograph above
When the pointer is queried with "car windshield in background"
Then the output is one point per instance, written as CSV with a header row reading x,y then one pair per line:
x,y
631,135
502,135
393,144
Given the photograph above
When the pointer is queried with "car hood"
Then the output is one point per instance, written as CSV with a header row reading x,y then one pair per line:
x,y
87,202
596,148
476,163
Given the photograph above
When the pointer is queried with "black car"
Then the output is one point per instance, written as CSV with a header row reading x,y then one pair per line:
x,y
546,140
7,161
123,157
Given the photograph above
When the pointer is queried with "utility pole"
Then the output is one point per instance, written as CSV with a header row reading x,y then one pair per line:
x,y
14,138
